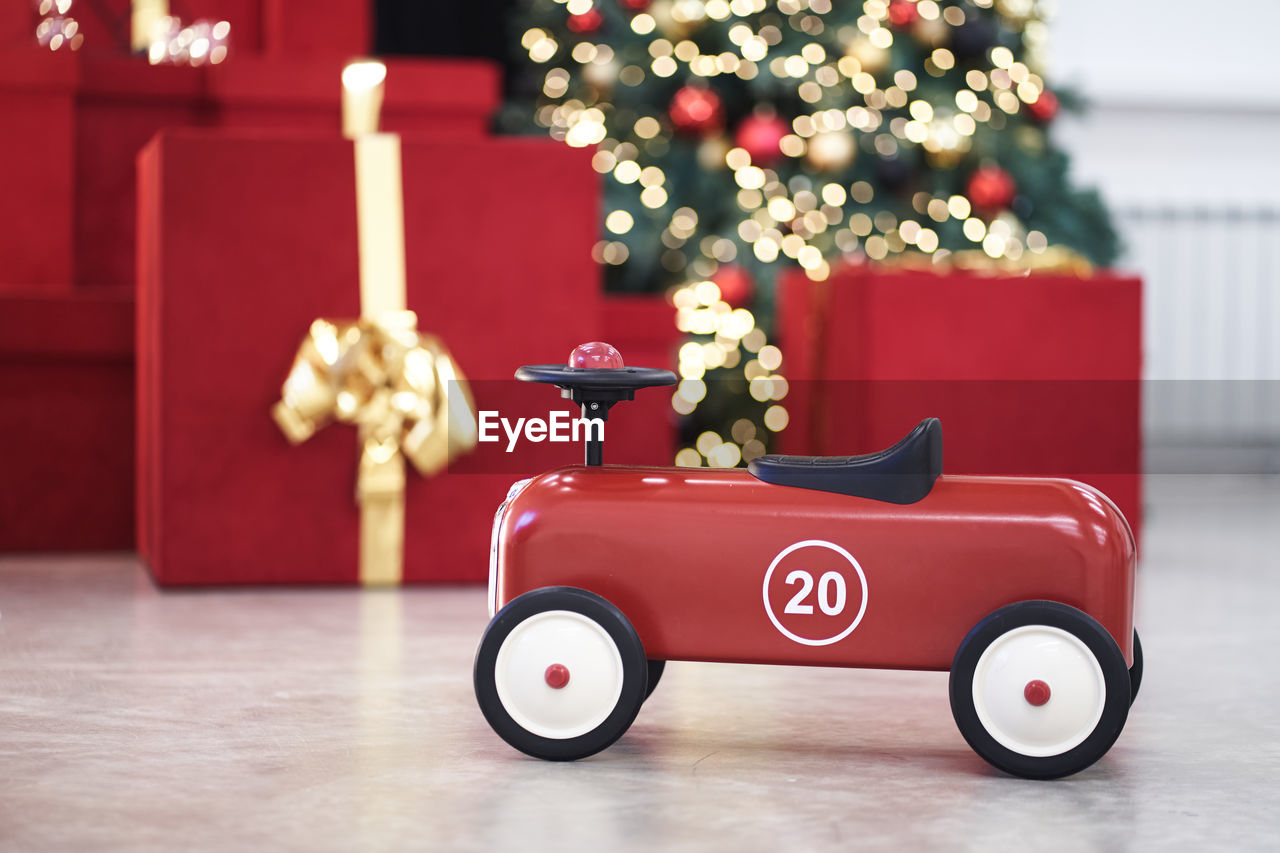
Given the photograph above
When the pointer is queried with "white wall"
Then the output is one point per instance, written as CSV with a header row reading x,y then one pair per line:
x,y
1182,137
1185,98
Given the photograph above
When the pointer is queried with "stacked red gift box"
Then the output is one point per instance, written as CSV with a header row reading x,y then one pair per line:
x,y
1031,375
245,228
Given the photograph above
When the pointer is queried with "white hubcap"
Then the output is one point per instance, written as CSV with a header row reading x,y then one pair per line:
x,y
1077,690
579,645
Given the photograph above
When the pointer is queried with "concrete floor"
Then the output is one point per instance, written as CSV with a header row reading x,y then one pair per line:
x,y
338,719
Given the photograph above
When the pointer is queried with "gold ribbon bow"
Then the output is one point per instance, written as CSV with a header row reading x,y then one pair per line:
x,y
400,388
406,397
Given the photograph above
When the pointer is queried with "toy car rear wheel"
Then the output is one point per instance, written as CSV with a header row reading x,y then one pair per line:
x,y
656,668
1135,671
560,673
1040,689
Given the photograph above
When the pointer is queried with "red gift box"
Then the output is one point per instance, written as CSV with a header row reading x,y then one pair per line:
x,y
36,169
244,240
123,103
272,27
1031,375
316,27
643,431
66,421
79,120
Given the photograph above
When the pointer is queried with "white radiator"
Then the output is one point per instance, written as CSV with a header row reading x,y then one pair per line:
x,y
1211,322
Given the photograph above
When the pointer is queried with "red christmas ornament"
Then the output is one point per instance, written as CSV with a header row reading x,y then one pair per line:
x,y
991,188
588,22
903,13
1044,108
737,287
760,135
697,110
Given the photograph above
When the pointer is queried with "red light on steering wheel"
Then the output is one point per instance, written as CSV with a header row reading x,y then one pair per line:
x,y
596,354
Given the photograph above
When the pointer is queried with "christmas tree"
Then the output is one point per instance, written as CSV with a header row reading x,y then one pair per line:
x,y
736,136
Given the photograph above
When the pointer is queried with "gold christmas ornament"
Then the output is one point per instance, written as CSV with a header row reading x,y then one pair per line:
x,y
1008,225
832,150
1030,139
945,146
872,59
931,33
602,75
677,19
1016,12
712,151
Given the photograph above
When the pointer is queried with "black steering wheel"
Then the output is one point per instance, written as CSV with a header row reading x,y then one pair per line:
x,y
596,389
597,384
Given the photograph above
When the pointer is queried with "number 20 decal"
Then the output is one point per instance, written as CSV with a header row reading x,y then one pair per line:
x,y
830,592
805,579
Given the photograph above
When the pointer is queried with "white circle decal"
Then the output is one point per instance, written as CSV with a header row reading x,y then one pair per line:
x,y
810,599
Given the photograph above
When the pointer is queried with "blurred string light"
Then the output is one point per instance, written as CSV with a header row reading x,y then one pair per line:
x,y
797,204
173,43
57,29
725,338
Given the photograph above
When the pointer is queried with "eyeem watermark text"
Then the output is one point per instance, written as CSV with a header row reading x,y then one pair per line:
x,y
559,426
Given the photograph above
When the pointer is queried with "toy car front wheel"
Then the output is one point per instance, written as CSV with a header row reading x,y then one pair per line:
x,y
1135,671
1040,689
560,673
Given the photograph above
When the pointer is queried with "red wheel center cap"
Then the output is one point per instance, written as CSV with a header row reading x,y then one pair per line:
x,y
1036,692
557,675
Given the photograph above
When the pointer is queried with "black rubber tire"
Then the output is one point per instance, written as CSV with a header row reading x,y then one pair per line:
x,y
1100,644
620,631
656,668
1135,671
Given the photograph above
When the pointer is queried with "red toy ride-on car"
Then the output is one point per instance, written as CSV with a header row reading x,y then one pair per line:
x,y
1022,587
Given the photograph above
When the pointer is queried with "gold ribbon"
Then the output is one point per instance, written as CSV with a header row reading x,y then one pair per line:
x,y
400,388
406,397
1054,260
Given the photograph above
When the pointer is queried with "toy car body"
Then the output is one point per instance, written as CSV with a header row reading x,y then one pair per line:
x,y
1022,587
686,554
